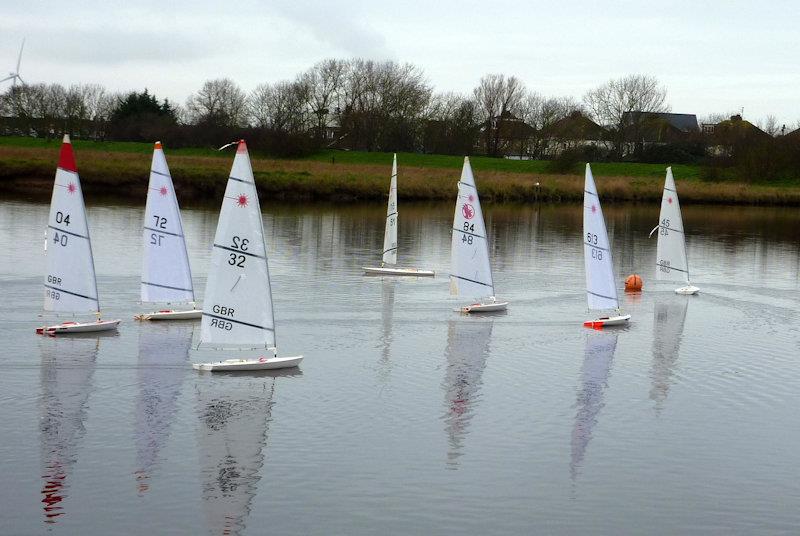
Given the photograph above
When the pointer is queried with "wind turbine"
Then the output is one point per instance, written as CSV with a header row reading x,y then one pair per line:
x,y
15,75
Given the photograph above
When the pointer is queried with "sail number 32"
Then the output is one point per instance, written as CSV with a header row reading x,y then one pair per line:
x,y
241,244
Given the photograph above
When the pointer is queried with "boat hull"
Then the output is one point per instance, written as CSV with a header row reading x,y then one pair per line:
x,y
688,290
262,363
608,321
492,307
192,314
66,328
416,272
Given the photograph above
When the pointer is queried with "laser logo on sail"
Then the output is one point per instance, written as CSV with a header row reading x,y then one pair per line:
x,y
468,211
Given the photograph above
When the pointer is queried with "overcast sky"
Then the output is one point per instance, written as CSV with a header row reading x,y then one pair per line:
x,y
713,56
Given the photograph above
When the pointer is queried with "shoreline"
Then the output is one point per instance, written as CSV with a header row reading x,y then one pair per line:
x,y
30,171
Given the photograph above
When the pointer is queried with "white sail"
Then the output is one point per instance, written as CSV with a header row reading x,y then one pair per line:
x,y
166,276
471,273
390,234
69,283
163,353
67,370
671,262
237,308
598,357
601,291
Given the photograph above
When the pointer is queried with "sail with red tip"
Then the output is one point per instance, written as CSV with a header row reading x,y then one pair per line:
x,y
166,274
69,282
237,307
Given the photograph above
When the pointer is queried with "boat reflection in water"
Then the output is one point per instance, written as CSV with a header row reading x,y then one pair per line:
x,y
163,364
466,353
67,370
235,410
669,317
598,357
387,312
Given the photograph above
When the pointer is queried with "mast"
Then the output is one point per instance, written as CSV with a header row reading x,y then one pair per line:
x,y
70,285
390,233
671,260
237,308
601,290
471,272
166,274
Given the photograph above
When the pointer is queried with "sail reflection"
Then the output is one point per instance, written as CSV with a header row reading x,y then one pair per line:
x,y
669,317
466,353
66,375
387,312
598,357
163,364
235,411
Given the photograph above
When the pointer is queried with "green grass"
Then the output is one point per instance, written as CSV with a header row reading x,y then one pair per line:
x,y
485,163
110,146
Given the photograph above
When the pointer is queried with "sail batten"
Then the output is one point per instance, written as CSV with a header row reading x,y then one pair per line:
x,y
237,307
166,274
601,290
471,272
70,285
671,260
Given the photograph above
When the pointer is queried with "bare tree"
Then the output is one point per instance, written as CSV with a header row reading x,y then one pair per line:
x,y
451,121
219,102
497,97
324,82
384,104
614,103
281,107
769,125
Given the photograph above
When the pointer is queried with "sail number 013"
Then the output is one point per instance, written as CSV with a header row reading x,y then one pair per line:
x,y
236,259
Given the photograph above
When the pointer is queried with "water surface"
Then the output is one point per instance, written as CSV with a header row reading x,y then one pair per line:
x,y
406,418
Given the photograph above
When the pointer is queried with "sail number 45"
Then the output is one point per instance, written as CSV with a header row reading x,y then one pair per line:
x,y
240,244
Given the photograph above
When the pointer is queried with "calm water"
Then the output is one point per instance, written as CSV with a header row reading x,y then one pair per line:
x,y
406,418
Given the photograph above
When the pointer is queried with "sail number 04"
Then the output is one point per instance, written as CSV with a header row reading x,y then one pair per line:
x,y
236,259
61,239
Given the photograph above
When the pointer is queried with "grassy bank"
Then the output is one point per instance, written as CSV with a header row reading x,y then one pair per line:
x,y
121,168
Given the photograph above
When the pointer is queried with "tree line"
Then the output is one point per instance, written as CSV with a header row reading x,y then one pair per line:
x,y
388,106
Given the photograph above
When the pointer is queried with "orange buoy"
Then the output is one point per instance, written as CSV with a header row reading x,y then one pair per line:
x,y
633,283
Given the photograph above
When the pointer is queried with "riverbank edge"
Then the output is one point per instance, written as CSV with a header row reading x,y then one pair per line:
x,y
30,171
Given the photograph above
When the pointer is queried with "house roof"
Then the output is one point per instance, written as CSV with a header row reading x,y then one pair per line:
x,y
575,126
682,122
735,129
793,135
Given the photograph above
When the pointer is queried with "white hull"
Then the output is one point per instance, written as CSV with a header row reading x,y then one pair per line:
x,y
688,290
398,271
78,327
262,363
491,307
605,321
193,314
